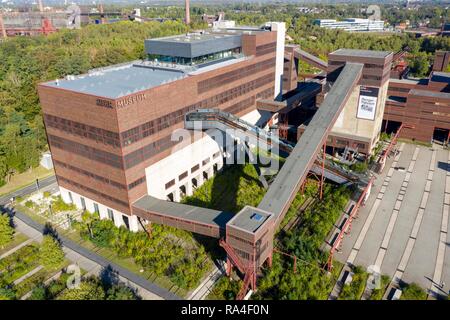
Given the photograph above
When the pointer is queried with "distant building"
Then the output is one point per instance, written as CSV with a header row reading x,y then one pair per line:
x,y
351,24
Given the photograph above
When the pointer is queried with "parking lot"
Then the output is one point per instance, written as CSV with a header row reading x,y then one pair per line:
x,y
403,228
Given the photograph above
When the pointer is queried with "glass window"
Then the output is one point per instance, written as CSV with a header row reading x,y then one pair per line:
x,y
110,214
83,203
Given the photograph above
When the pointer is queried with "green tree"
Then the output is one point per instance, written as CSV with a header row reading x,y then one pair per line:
x,y
7,293
120,292
51,255
39,293
6,231
88,290
419,64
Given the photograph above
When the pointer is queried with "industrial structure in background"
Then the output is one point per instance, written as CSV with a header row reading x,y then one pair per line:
x,y
27,22
31,23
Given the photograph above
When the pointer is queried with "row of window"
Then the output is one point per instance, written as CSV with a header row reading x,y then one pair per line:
x,y
96,192
86,151
134,184
266,48
193,169
164,143
83,130
97,210
220,80
147,129
90,175
134,158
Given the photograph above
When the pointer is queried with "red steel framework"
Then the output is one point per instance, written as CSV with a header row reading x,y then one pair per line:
x,y
348,224
382,160
249,272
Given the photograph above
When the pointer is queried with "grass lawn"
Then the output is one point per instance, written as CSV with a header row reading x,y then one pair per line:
x,y
24,179
355,289
18,239
229,190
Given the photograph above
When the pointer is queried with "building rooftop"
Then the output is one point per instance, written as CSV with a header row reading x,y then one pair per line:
x,y
431,94
297,165
193,45
250,219
361,53
116,82
210,217
438,76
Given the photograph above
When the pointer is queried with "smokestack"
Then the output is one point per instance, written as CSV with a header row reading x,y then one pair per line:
x,y
41,7
188,17
2,26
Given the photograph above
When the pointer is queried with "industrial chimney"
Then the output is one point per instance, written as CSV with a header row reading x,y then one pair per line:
x,y
188,17
2,26
41,7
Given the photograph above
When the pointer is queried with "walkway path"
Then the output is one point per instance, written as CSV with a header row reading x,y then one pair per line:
x,y
404,229
202,291
28,190
23,244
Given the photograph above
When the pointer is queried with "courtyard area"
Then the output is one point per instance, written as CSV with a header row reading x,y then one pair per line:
x,y
403,228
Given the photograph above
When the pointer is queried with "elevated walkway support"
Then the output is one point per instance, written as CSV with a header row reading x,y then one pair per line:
x,y
293,173
204,221
310,59
205,119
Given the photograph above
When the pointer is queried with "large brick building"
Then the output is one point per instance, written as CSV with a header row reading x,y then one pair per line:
x,y
422,105
110,131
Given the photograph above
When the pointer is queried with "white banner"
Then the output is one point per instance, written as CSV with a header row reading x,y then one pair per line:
x,y
367,105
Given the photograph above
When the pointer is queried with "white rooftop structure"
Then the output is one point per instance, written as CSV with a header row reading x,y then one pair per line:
x,y
351,24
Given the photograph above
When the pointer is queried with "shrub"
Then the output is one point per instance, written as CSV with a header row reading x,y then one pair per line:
x,y
225,289
7,293
89,289
120,292
51,255
355,289
39,293
29,204
59,205
412,291
6,231
47,194
359,167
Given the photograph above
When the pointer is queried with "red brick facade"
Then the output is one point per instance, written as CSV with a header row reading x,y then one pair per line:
x,y
102,146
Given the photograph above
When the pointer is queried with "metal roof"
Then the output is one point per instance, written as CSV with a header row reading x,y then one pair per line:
x,y
439,76
297,165
211,217
193,45
249,219
119,81
431,94
361,53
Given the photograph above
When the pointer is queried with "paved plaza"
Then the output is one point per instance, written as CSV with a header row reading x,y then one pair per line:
x,y
403,228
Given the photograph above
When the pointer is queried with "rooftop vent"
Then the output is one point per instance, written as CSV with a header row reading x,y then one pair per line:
x,y
256,216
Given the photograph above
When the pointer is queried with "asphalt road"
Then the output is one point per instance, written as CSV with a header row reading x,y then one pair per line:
x,y
27,190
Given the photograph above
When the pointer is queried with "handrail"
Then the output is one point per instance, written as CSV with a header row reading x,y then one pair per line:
x,y
211,115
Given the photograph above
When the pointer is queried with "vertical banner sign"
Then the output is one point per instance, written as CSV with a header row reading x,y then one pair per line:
x,y
367,104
